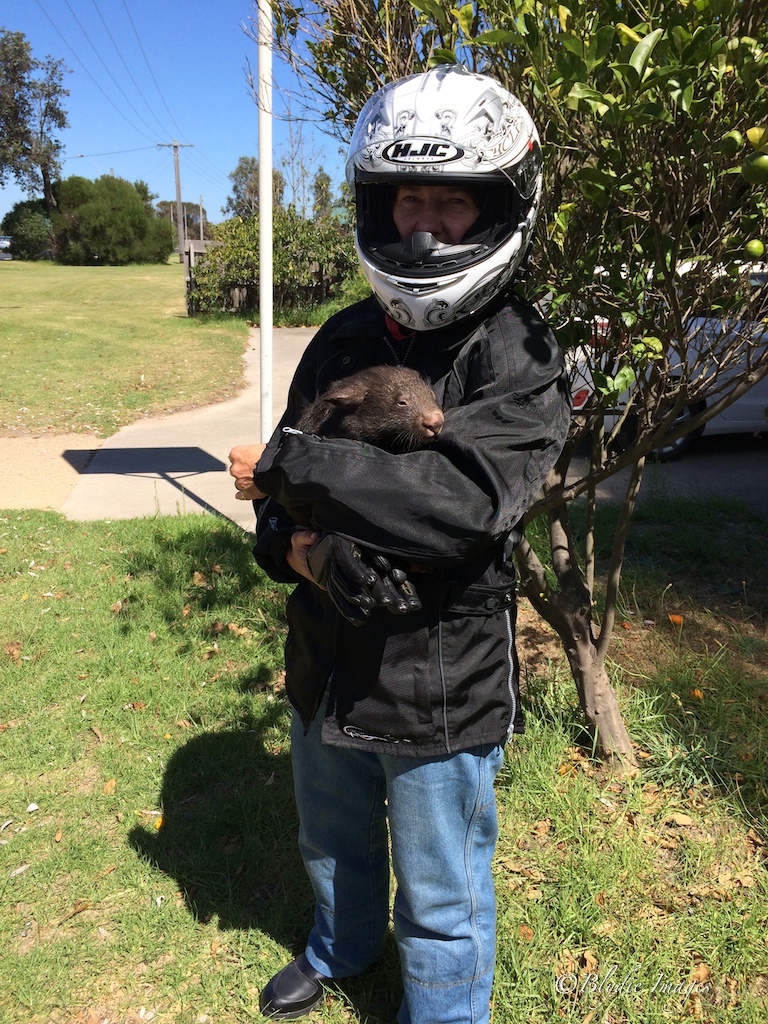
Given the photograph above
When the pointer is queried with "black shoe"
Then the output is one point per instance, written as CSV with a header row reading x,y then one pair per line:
x,y
294,991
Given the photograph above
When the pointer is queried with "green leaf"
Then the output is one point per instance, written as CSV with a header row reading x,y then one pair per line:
x,y
575,44
443,56
647,349
624,379
432,9
600,46
627,77
501,36
598,102
642,52
465,17
595,174
612,387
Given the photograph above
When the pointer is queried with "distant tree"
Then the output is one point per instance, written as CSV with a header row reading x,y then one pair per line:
x,y
107,222
30,230
322,195
31,113
10,221
342,52
32,237
244,201
191,213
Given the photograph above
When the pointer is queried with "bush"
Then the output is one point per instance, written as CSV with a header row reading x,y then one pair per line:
x,y
29,229
32,237
312,261
107,221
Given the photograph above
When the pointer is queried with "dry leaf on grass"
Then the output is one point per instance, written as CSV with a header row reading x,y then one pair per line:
x,y
608,927
589,961
701,973
677,818
13,650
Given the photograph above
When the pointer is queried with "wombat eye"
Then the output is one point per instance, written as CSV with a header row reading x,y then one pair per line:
x,y
403,401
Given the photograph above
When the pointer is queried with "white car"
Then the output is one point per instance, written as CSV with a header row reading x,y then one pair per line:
x,y
747,415
5,245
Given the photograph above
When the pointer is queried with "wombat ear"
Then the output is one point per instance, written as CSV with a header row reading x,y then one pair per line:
x,y
347,398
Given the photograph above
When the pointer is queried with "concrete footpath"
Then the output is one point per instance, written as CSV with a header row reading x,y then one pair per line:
x,y
178,464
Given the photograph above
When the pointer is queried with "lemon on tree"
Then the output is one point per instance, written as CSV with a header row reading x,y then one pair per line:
x,y
758,137
755,168
732,142
754,249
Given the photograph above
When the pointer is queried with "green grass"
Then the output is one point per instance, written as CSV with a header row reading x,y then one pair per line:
x,y
90,349
140,686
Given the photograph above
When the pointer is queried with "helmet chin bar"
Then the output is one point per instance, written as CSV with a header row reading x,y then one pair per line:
x,y
422,249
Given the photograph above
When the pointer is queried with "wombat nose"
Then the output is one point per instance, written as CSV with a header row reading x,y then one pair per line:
x,y
433,422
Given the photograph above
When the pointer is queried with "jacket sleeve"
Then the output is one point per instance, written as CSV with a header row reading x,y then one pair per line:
x,y
444,504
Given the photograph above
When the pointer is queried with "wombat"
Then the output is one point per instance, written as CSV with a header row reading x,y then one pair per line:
x,y
391,407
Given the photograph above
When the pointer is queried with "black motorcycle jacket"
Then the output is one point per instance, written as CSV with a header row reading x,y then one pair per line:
x,y
442,679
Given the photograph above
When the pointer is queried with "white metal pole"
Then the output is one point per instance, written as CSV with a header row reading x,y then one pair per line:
x,y
264,51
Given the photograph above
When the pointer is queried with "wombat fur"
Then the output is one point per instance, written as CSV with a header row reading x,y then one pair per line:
x,y
391,407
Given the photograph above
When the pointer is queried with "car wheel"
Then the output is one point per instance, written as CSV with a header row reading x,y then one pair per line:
x,y
676,449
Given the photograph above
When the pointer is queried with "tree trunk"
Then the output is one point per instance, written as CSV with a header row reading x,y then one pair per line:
x,y
598,698
48,196
569,611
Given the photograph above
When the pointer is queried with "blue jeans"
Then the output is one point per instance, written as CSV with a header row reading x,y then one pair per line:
x,y
443,829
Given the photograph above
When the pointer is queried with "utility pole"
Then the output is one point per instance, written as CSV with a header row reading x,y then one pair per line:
x,y
201,218
266,194
179,209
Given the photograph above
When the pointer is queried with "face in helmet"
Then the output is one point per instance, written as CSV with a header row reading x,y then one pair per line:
x,y
446,170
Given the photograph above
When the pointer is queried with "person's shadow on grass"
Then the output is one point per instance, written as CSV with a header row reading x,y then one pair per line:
x,y
229,829
229,839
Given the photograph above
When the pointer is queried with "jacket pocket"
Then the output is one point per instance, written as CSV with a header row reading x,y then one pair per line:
x,y
478,599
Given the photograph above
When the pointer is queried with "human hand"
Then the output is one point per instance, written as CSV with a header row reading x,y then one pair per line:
x,y
296,555
243,459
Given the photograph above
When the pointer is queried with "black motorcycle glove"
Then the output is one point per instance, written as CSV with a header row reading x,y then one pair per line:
x,y
354,586
395,590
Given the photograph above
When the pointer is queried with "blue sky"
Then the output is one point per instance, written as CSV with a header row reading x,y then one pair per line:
x,y
164,70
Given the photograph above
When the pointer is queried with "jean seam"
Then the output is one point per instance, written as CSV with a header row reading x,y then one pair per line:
x,y
469,843
373,876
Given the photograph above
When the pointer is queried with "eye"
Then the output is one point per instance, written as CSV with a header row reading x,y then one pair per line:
x,y
403,402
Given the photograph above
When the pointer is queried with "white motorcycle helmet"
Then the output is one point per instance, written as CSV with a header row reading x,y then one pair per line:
x,y
454,127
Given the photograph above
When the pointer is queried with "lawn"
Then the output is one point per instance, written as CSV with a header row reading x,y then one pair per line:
x,y
90,349
149,862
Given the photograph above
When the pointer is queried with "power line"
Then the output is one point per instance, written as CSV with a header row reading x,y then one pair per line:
x,y
107,68
149,68
85,69
114,152
128,70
